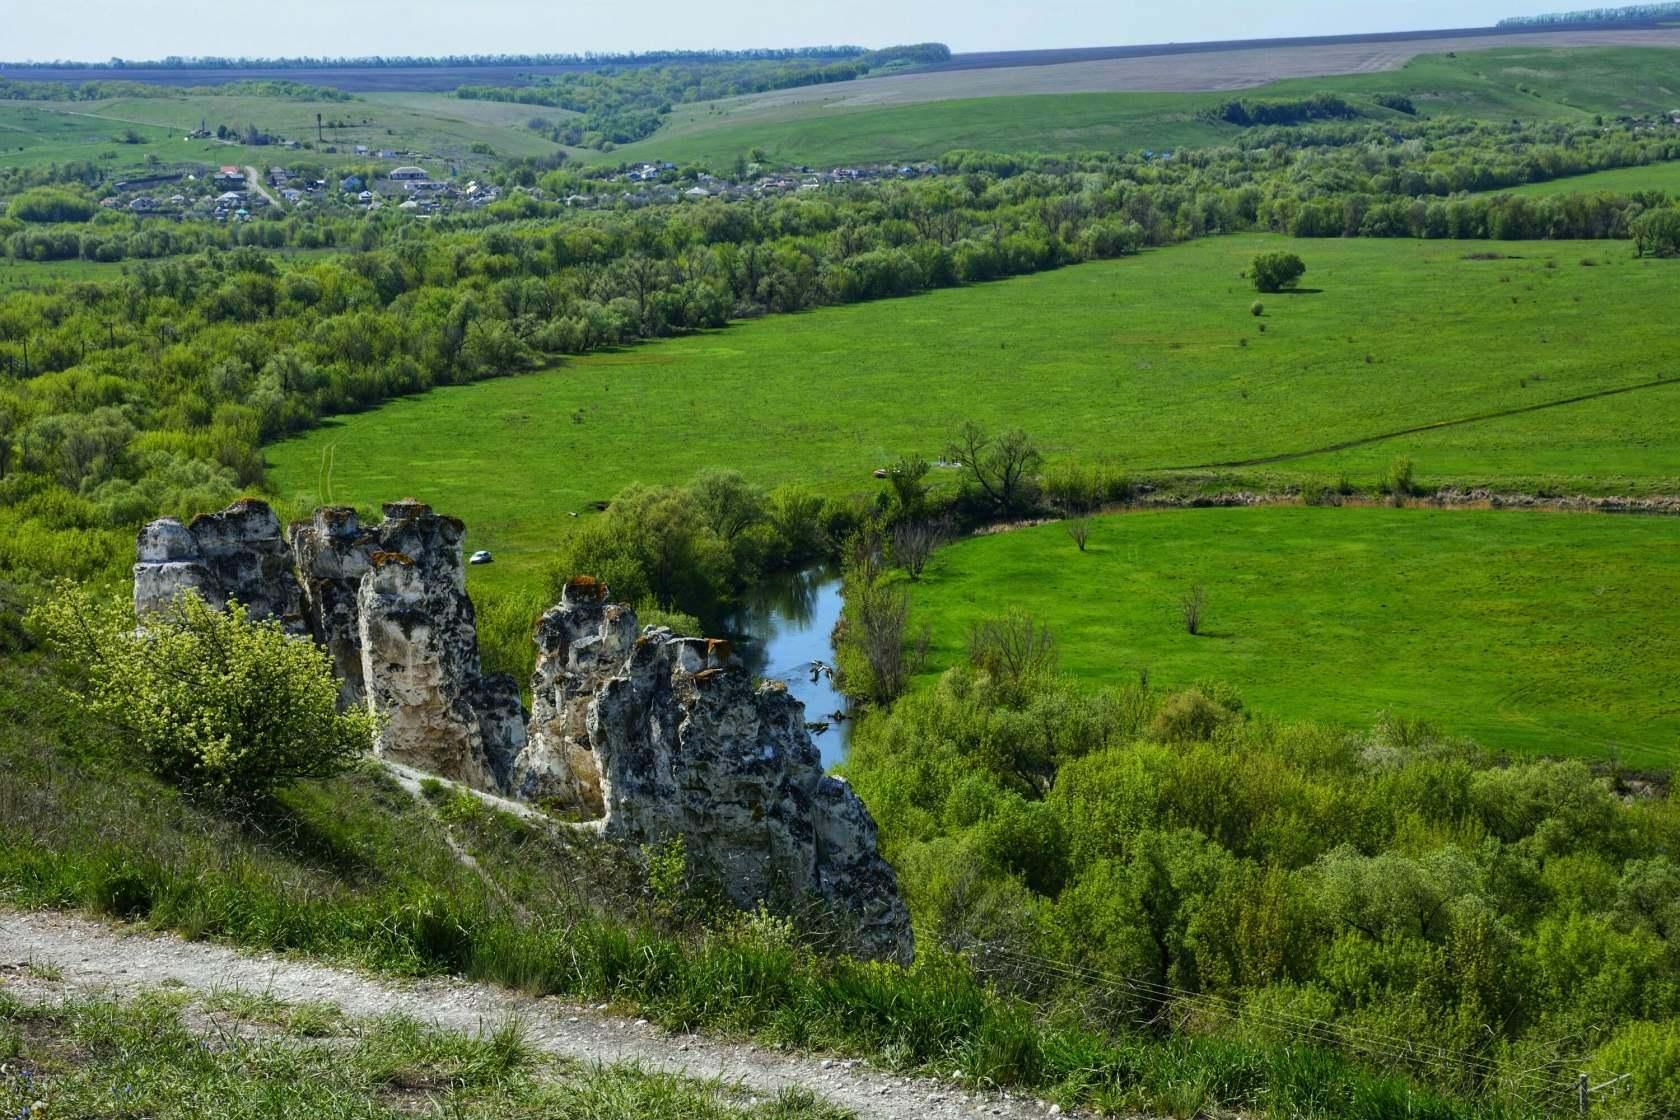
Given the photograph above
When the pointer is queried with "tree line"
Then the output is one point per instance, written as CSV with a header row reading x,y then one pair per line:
x,y
622,104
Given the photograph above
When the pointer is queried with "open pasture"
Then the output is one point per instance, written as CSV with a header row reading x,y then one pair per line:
x,y
1620,180
1550,632
442,127
1151,363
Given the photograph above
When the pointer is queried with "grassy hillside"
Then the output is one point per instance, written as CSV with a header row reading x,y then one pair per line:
x,y
823,127
356,870
39,132
1546,632
1151,362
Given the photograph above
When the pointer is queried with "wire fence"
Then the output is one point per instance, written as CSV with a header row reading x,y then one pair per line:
x,y
1556,1085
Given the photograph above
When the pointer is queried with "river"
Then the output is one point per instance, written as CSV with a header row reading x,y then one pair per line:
x,y
780,628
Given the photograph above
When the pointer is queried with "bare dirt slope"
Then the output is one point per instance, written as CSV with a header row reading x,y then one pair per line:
x,y
1186,72
87,956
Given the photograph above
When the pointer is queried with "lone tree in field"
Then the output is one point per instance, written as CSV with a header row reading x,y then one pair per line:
x,y
1190,608
1273,272
1000,467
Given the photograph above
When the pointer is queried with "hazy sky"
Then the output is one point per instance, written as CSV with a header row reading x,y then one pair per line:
x,y
100,29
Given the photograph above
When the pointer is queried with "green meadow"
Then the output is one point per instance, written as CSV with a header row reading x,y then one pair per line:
x,y
840,125
444,128
1152,363
1621,180
1551,632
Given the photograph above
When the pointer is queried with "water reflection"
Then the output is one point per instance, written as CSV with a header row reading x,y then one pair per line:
x,y
782,630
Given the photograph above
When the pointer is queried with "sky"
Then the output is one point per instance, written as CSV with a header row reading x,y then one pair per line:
x,y
95,30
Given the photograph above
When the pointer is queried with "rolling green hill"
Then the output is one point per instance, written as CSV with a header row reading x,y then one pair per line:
x,y
825,128
442,127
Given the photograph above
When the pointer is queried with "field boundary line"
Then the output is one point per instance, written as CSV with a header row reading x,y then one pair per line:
x,y
1438,425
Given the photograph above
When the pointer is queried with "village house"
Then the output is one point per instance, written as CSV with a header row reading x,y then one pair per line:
x,y
408,174
230,178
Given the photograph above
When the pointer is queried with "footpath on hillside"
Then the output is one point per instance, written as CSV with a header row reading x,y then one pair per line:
x,y
88,956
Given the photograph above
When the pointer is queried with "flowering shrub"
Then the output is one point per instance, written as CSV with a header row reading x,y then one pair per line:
x,y
204,698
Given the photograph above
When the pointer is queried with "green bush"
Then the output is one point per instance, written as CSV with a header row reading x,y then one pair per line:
x,y
203,698
1650,1054
1275,271
1399,482
51,204
1189,716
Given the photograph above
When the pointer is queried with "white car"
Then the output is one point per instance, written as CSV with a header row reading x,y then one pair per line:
x,y
481,557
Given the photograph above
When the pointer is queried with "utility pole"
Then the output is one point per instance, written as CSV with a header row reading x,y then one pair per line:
x,y
318,137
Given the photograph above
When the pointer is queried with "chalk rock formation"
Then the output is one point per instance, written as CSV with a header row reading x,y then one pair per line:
x,y
580,643
419,656
653,736
236,554
688,746
332,553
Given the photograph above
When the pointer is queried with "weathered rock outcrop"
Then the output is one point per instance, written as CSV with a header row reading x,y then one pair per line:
x,y
236,554
651,735
419,655
420,669
423,673
332,553
677,741
580,643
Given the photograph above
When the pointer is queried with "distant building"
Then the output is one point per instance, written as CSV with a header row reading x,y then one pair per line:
x,y
352,183
230,178
407,174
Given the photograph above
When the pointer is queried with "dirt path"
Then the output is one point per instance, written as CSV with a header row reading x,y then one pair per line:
x,y
256,184
94,956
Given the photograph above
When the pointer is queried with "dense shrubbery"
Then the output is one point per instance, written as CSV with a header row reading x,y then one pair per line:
x,y
1246,112
1657,233
692,549
203,698
1394,885
47,204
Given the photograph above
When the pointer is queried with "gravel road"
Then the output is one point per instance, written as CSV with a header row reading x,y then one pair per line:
x,y
94,956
